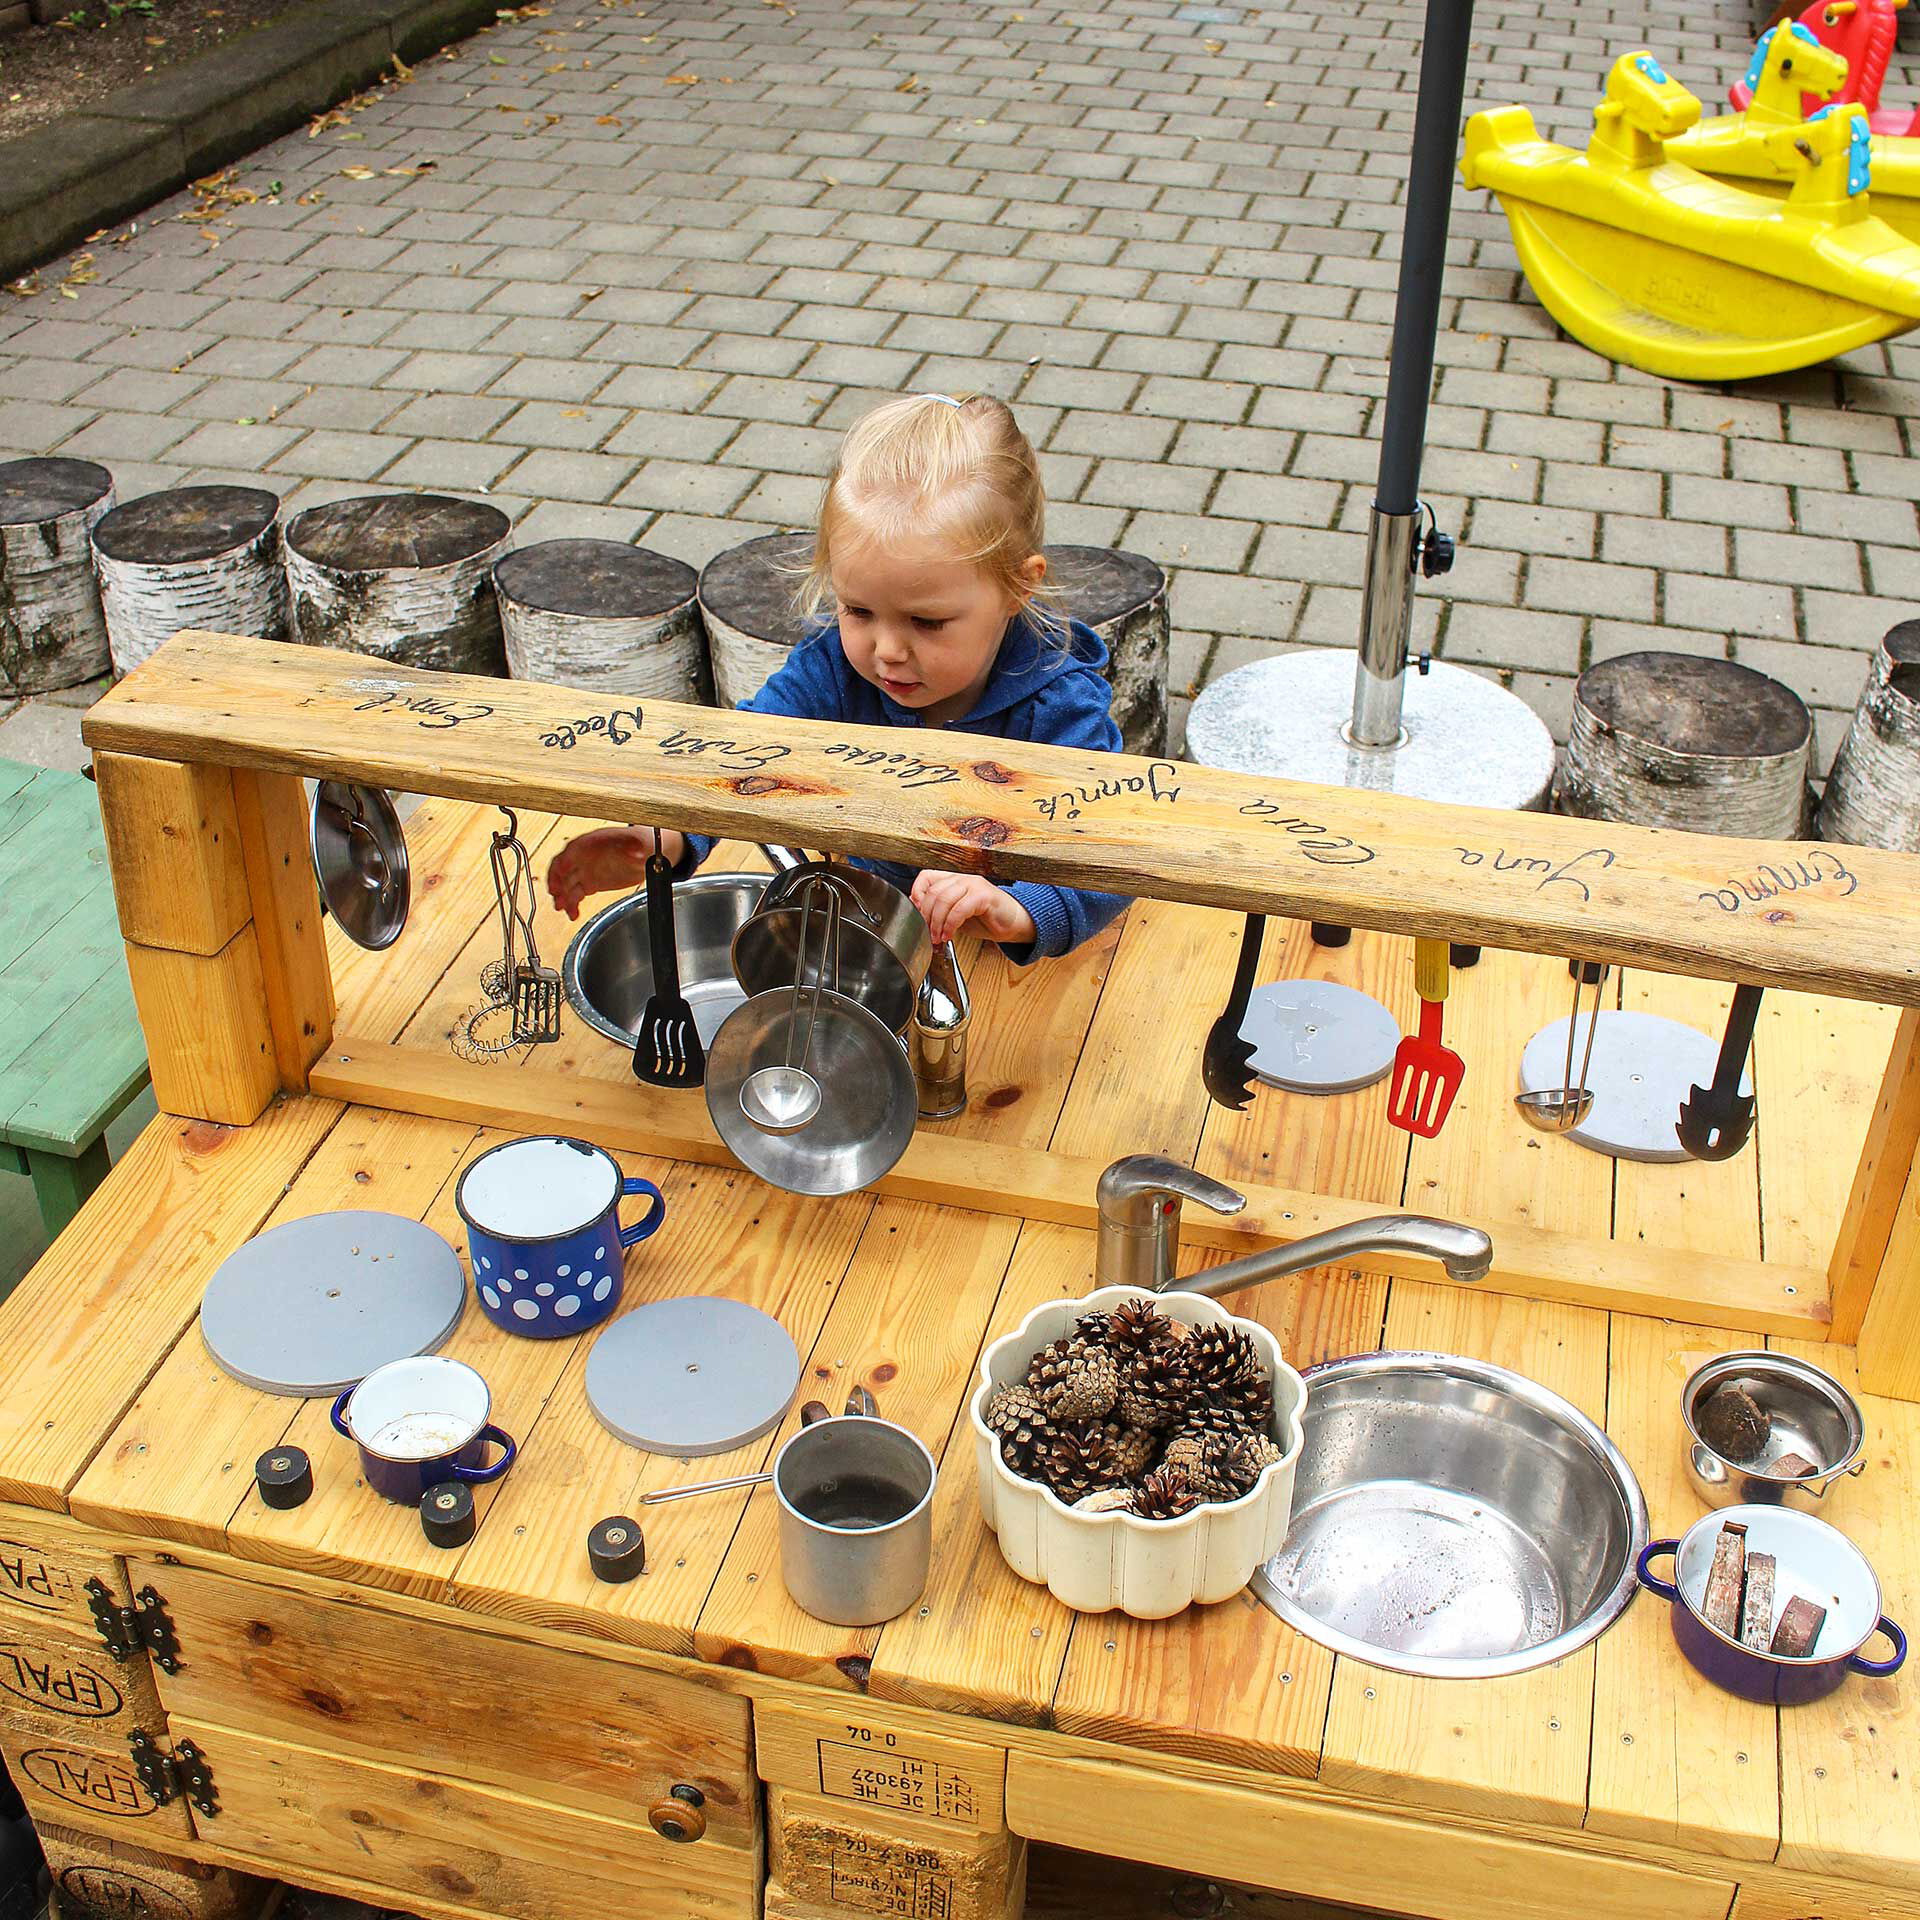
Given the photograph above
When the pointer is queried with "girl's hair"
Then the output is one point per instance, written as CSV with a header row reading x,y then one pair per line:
x,y
960,473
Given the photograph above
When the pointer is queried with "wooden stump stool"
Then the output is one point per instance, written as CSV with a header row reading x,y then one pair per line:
x,y
402,576
1873,792
598,614
191,557
746,598
1123,598
746,601
1669,740
52,632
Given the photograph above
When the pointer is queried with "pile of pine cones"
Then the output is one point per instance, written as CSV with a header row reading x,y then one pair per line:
x,y
1134,1413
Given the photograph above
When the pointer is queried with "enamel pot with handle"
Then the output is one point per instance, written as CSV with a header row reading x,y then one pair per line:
x,y
1813,1560
420,1422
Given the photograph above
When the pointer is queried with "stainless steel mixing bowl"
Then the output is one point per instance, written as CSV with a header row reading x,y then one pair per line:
x,y
1452,1519
608,970
1809,1413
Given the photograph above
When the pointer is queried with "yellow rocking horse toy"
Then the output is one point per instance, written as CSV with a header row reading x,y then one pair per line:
x,y
1650,262
1790,64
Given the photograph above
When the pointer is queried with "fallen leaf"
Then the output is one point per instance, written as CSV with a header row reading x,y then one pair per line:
x,y
911,84
1213,46
592,293
246,420
1723,426
574,413
358,173
608,120
401,71
683,79
559,66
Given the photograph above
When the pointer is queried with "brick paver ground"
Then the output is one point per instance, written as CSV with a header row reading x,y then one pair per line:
x,y
628,266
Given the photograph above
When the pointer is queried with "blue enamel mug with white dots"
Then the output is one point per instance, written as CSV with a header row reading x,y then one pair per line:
x,y
544,1233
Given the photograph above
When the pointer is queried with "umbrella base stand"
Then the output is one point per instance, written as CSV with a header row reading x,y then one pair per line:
x,y
1464,740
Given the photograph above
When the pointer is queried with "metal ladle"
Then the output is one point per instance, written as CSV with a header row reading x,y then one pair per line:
x,y
1560,1109
783,1099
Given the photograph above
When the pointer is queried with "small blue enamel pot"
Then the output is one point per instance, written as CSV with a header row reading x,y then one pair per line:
x,y
544,1232
1813,1560
421,1421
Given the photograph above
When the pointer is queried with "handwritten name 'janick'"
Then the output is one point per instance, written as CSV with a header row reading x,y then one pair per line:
x,y
1070,802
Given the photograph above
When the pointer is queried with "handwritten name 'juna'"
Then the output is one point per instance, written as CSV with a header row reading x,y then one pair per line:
x,y
1070,802
1821,867
616,726
1543,872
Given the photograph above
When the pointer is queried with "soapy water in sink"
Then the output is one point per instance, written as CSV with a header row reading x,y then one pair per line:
x,y
1419,1569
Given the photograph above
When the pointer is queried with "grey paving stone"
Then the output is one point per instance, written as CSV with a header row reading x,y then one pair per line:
x,y
1140,483
676,486
454,466
1192,540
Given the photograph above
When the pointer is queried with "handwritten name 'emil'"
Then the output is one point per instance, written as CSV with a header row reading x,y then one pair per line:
x,y
429,709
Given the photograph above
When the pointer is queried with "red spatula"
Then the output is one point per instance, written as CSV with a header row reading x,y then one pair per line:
x,y
1426,1075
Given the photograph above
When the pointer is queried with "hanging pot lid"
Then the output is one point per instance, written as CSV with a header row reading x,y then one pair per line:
x,y
360,861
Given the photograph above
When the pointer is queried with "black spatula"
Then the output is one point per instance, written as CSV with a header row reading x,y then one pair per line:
x,y
666,1050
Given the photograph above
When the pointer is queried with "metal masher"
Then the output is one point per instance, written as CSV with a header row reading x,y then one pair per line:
x,y
532,991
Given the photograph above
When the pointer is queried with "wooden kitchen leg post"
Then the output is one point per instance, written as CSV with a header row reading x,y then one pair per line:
x,y
868,1817
1890,1333
1864,1263
272,811
95,1875
186,912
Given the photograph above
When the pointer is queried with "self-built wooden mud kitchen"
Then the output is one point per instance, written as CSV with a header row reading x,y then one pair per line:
x,y
1409,1676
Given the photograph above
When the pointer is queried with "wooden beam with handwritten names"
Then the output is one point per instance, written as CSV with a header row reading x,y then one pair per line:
x,y
1807,915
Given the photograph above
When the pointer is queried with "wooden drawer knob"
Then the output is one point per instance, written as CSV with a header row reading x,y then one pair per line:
x,y
678,1816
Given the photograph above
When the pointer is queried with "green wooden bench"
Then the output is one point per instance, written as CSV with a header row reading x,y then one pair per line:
x,y
71,1051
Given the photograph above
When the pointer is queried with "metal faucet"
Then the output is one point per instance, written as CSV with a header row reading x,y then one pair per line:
x,y
1139,1242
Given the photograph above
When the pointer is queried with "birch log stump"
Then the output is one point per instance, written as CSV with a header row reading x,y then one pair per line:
x,y
52,631
603,615
405,577
1873,792
205,557
1670,740
746,601
1123,598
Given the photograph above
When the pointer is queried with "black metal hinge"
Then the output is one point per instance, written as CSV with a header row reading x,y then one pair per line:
x,y
125,1630
184,1773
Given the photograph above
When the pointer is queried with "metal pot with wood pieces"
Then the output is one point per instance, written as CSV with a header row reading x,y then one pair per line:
x,y
882,952
1765,1429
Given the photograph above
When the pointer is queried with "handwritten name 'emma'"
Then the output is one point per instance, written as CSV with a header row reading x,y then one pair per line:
x,y
1822,867
616,726
1157,783
907,768
1543,872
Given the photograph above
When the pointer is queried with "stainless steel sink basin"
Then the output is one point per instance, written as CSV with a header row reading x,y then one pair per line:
x,y
1452,1519
608,970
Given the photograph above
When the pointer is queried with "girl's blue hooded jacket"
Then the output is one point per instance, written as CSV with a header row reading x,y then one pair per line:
x,y
1037,691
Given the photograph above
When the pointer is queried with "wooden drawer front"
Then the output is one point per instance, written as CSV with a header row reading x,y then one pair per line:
x,y
397,1833
55,1681
589,1733
1287,1841
46,1561
77,1780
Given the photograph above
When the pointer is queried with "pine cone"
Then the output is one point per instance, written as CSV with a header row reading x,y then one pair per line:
x,y
1074,1382
1093,1329
1221,1358
1220,1466
1154,1388
1241,1410
1135,1327
1080,1460
1164,1495
1016,1416
1133,1451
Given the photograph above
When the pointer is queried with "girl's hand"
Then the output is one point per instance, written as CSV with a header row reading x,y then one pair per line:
x,y
603,860
950,901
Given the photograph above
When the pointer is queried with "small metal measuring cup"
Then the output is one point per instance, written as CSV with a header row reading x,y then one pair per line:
x,y
856,1517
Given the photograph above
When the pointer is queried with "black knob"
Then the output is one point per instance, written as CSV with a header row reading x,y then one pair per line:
x,y
1436,552
446,1514
284,1476
616,1549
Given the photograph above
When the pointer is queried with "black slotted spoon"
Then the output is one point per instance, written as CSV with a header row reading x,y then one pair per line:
x,y
1224,1062
1715,1121
666,1049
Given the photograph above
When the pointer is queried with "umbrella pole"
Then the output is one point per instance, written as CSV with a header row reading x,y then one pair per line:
x,y
1386,607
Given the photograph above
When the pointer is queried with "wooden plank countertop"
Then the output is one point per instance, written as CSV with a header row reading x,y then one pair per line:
x,y
1810,916
109,1404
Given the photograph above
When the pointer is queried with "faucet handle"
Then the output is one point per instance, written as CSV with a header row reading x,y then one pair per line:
x,y
1139,1175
